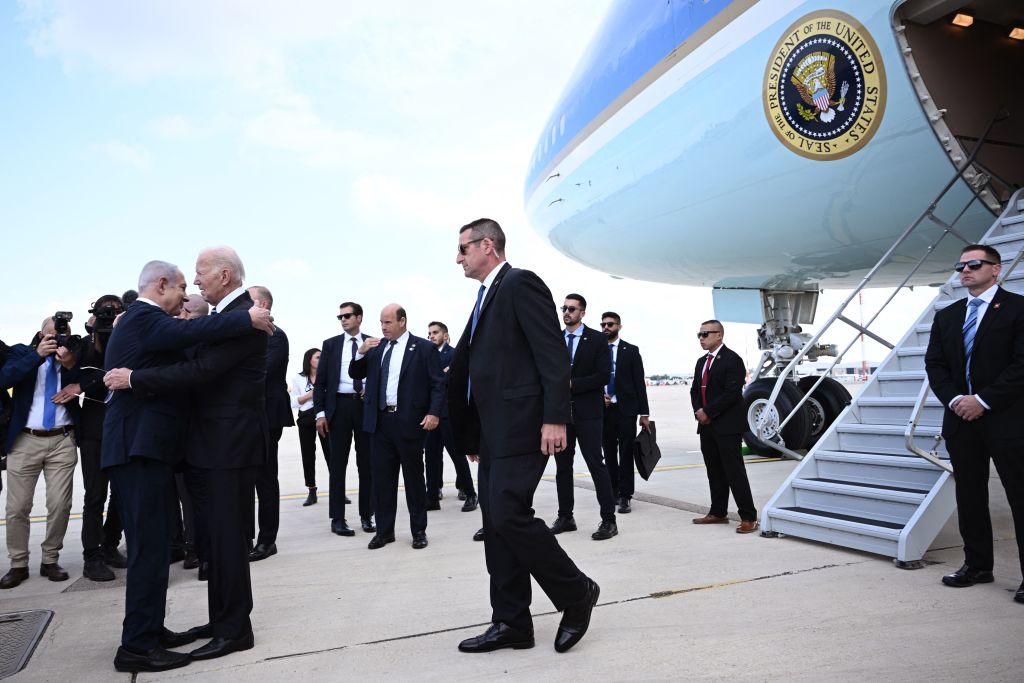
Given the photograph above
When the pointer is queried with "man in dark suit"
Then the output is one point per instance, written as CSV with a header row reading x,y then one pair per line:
x,y
404,392
228,440
143,440
508,398
442,438
279,416
591,366
975,364
625,400
338,402
717,398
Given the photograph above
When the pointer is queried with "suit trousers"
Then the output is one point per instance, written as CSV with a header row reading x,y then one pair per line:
x,y
143,487
228,508
970,449
437,439
723,458
268,489
183,519
97,533
518,545
392,451
619,435
55,457
588,433
194,507
345,425
307,446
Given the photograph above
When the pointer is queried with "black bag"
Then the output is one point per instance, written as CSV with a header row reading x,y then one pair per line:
x,y
646,453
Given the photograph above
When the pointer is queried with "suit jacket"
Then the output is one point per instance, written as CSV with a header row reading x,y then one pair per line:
x,y
630,382
146,425
20,371
420,385
997,364
590,370
328,375
228,428
724,392
519,368
279,403
445,354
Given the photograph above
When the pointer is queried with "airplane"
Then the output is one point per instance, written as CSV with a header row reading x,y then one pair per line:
x,y
772,149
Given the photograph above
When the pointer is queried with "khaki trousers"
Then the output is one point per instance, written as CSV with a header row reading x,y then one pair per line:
x,y
55,457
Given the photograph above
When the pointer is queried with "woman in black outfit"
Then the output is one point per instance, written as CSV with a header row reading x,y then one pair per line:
x,y
302,400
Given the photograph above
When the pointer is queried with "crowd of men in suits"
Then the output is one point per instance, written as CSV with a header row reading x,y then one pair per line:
x,y
185,400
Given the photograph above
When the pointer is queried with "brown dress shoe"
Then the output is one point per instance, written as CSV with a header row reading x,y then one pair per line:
x,y
711,519
747,526
14,577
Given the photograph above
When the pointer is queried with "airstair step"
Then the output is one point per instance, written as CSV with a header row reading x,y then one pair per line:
x,y
848,531
896,410
923,332
883,438
886,470
1012,220
896,507
870,485
900,382
998,241
911,357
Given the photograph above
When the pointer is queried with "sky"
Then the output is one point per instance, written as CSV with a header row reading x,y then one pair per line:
x,y
337,146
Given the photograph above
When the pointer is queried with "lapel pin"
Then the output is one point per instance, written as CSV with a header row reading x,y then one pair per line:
x,y
995,307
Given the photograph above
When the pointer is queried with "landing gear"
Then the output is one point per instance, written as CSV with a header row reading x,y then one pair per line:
x,y
824,405
797,431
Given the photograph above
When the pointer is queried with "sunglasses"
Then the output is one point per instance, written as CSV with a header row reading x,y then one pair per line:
x,y
345,316
463,248
571,309
703,334
973,264
612,324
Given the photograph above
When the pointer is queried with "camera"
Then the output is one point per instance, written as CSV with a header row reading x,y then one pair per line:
x,y
64,337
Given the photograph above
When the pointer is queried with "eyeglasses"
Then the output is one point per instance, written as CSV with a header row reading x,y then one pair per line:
x,y
608,324
465,246
973,264
571,309
345,316
703,334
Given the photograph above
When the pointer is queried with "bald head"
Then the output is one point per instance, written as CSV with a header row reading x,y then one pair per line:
x,y
393,322
194,307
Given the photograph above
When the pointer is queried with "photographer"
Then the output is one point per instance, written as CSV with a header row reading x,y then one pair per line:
x,y
40,439
99,539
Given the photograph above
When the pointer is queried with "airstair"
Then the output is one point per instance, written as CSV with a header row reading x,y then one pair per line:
x,y
879,480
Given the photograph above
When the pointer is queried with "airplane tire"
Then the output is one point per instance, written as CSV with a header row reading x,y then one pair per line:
x,y
825,404
755,401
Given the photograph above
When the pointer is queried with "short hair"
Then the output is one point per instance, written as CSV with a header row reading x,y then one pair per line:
x,y
307,361
263,294
611,314
400,314
356,308
444,328
578,297
227,258
993,255
485,228
717,323
154,270
106,299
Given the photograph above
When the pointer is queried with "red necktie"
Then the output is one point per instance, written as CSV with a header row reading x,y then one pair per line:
x,y
704,380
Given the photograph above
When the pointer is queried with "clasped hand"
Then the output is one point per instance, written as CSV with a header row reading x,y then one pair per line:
x,y
969,408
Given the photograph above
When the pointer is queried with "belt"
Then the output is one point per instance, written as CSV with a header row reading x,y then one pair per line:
x,y
390,409
56,431
351,396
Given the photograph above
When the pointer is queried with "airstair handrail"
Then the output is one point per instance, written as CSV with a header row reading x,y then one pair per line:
x,y
862,329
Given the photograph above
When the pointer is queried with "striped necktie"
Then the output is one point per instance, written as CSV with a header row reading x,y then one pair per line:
x,y
970,330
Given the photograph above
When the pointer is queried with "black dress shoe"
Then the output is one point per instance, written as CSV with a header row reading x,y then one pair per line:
x,y
379,541
53,571
157,659
462,495
966,576
605,530
419,540
496,637
624,507
433,505
263,550
311,498
338,526
1019,595
470,504
218,647
576,619
14,577
563,524
97,570
348,501
479,535
170,640
368,526
113,557
204,571
201,632
191,560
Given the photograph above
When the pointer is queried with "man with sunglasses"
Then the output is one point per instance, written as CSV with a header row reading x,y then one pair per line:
x,y
717,398
975,365
590,367
338,402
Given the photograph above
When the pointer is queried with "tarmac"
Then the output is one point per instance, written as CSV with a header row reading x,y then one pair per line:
x,y
678,601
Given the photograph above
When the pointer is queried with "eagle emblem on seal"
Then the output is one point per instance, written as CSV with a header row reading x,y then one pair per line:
x,y
814,77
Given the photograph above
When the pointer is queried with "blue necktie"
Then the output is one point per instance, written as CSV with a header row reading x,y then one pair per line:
x,y
569,345
385,370
472,331
970,330
49,407
611,382
357,384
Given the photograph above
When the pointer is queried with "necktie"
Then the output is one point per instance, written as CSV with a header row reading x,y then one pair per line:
x,y
704,380
569,345
49,407
385,370
970,330
611,382
357,384
476,311
213,311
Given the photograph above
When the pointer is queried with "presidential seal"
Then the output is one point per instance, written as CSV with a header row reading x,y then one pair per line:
x,y
824,88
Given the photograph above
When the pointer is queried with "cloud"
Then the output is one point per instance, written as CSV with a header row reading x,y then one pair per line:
x,y
129,155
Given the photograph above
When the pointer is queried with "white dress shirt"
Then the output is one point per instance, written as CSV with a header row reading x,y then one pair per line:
x,y
300,386
345,385
394,367
985,298
39,399
226,301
